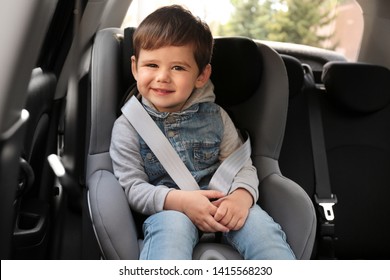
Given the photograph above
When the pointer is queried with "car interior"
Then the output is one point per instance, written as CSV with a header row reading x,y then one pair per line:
x,y
319,125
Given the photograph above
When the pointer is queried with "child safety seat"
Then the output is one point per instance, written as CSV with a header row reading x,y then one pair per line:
x,y
251,84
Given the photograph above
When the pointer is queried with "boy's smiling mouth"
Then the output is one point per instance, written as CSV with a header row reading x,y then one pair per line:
x,y
160,91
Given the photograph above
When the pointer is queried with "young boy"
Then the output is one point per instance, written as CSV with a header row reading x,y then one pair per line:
x,y
172,52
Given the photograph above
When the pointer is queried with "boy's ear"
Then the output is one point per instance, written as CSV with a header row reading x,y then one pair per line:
x,y
203,77
134,67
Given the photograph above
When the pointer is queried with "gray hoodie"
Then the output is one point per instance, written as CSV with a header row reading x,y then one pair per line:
x,y
128,164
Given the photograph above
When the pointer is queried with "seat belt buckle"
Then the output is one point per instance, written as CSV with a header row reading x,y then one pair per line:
x,y
327,206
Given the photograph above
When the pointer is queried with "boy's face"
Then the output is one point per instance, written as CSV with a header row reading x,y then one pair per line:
x,y
168,75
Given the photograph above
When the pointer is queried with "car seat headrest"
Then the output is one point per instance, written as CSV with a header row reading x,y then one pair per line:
x,y
295,73
236,69
359,87
127,52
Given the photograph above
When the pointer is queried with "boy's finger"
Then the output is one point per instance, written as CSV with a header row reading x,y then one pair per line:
x,y
220,214
217,202
217,227
212,194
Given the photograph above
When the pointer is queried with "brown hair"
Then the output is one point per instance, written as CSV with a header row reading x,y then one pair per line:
x,y
175,26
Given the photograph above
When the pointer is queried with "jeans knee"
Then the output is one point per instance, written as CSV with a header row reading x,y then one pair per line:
x,y
169,235
258,220
169,222
260,238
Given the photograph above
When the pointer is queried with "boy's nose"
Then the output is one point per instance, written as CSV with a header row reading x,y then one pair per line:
x,y
163,76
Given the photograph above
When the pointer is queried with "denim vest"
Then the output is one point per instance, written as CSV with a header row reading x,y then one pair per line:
x,y
196,134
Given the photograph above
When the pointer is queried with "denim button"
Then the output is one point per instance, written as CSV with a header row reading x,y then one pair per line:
x,y
171,133
170,119
149,156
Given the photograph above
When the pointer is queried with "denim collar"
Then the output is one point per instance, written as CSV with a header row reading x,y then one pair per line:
x,y
162,115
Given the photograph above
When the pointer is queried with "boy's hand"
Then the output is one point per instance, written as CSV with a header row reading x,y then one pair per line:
x,y
233,209
197,206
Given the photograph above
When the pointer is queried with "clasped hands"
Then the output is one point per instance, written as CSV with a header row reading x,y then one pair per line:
x,y
210,210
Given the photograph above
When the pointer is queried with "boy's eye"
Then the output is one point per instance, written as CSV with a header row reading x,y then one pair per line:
x,y
178,68
151,65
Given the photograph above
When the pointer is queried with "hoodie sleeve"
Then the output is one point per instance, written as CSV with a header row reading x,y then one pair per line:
x,y
247,177
142,196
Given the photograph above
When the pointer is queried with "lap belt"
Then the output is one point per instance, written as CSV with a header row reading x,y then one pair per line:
x,y
168,157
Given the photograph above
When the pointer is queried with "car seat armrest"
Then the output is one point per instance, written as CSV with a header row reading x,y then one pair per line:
x,y
291,207
112,219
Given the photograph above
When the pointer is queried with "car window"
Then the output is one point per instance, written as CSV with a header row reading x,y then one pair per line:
x,y
330,24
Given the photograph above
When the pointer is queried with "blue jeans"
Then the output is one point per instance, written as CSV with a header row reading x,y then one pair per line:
x,y
171,235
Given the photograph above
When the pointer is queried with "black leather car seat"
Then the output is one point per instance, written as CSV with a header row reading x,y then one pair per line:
x,y
354,104
356,120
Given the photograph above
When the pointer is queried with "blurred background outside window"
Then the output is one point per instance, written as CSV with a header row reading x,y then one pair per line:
x,y
330,24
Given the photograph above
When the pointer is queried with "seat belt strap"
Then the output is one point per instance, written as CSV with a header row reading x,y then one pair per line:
x,y
324,196
159,144
168,157
224,175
